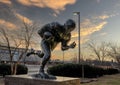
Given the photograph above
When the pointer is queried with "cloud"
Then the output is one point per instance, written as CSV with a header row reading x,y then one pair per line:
x,y
54,14
6,2
83,39
88,28
98,1
104,33
23,18
106,16
7,24
56,5
103,17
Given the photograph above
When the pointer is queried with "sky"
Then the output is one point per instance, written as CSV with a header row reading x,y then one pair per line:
x,y
99,19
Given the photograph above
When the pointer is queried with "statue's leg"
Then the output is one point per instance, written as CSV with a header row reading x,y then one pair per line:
x,y
47,54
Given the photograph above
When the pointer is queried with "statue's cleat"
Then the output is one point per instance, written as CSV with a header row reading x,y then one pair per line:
x,y
42,75
29,53
40,54
52,77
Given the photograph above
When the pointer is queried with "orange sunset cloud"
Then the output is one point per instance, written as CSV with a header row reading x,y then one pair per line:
x,y
5,1
56,5
23,18
7,24
87,29
90,30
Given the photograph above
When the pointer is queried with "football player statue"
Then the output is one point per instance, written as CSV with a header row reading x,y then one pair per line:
x,y
52,34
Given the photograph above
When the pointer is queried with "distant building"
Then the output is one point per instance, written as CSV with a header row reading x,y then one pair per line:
x,y
4,55
104,64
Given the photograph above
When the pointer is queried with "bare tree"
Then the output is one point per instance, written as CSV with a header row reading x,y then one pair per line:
x,y
99,50
103,48
14,39
27,34
6,40
114,52
0,57
17,39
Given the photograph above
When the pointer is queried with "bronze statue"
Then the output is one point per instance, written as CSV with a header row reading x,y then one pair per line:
x,y
52,34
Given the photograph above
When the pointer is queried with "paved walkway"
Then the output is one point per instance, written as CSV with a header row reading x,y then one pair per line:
x,y
1,80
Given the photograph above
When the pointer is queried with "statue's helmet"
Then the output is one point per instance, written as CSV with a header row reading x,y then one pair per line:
x,y
70,25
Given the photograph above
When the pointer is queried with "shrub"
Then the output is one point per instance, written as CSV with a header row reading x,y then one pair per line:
x,y
110,71
22,69
75,70
5,69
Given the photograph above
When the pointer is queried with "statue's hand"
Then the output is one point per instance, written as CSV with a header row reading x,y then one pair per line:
x,y
72,45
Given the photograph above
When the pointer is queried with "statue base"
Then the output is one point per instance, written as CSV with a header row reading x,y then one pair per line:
x,y
29,80
44,76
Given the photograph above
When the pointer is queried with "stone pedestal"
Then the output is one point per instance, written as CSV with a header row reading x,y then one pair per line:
x,y
28,80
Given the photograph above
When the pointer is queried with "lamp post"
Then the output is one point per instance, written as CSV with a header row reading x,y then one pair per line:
x,y
63,57
78,13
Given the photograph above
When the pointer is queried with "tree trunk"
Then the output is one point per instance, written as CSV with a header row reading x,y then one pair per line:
x,y
12,65
15,69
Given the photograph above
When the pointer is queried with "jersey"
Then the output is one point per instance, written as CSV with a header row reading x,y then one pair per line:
x,y
58,32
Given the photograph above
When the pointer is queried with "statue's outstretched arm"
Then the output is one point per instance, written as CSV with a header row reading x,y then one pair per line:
x,y
64,45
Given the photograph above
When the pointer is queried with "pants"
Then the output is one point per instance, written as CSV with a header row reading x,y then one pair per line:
x,y
45,45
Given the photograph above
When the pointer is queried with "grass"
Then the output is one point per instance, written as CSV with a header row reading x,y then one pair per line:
x,y
106,80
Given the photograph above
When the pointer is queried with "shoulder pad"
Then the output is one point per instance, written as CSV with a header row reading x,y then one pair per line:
x,y
54,24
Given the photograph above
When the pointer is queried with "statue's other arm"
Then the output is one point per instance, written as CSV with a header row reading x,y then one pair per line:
x,y
64,44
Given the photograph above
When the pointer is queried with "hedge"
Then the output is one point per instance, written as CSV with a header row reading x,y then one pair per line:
x,y
22,69
5,69
75,70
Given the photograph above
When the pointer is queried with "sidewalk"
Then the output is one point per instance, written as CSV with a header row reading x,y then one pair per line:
x,y
1,81
85,80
